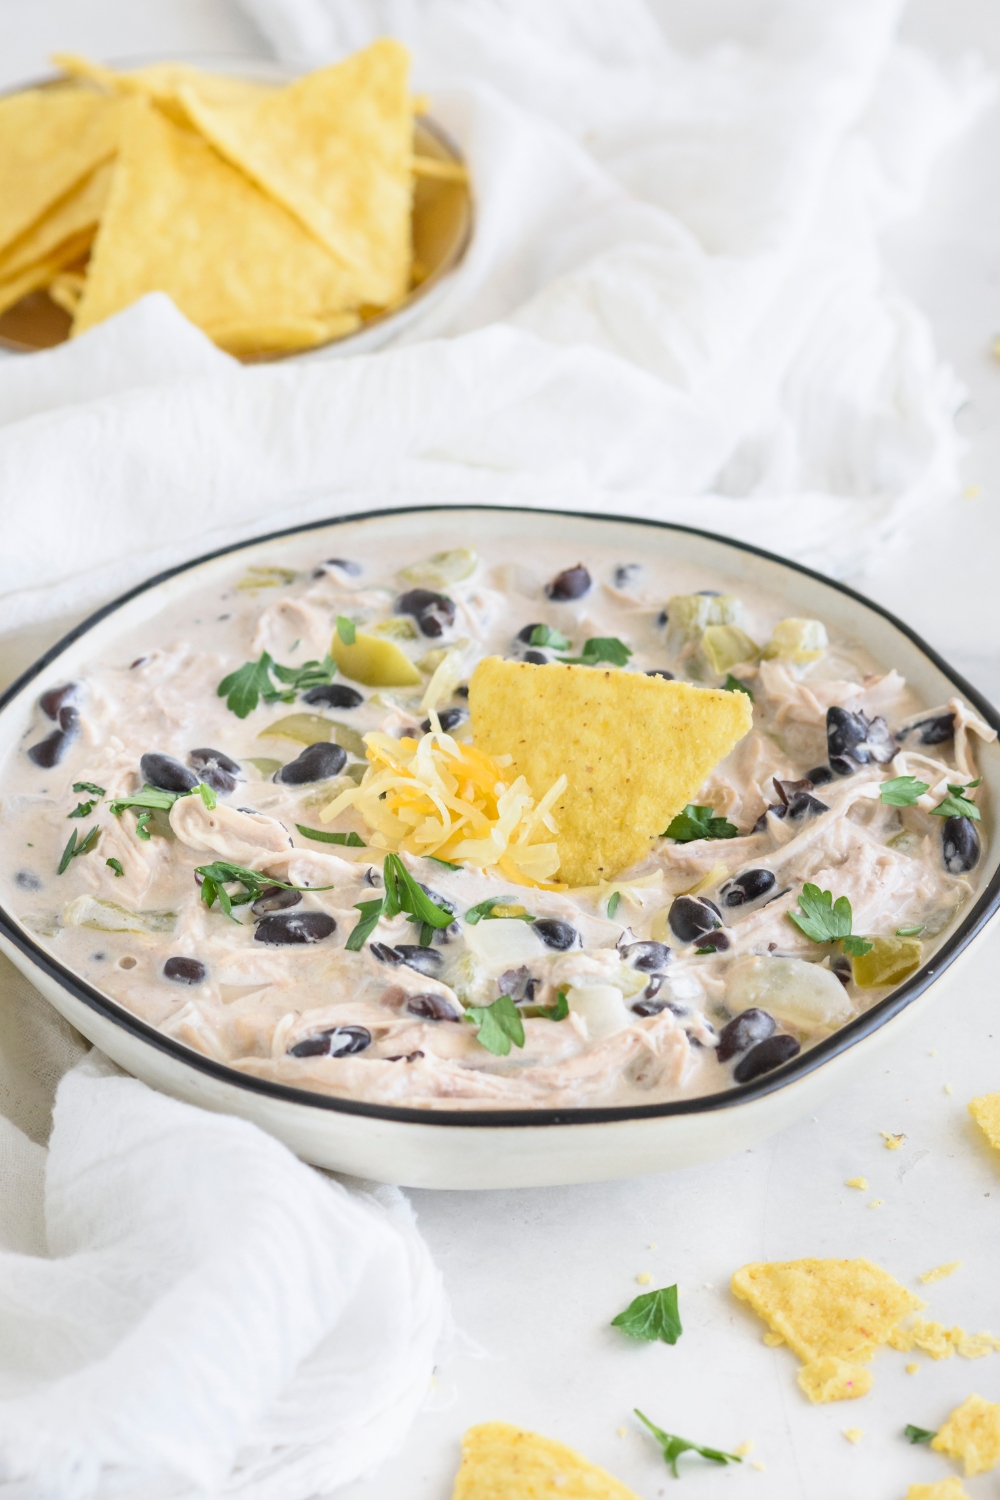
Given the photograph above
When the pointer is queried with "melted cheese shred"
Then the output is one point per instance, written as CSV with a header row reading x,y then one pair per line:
x,y
435,796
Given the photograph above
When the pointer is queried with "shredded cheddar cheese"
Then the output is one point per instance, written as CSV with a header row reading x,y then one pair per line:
x,y
435,796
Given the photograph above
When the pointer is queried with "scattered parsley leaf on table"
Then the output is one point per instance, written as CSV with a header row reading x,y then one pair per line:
x,y
673,1447
699,823
600,648
902,791
654,1315
918,1434
499,1025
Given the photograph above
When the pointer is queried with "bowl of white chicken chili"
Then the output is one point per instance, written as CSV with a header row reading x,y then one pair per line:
x,y
263,844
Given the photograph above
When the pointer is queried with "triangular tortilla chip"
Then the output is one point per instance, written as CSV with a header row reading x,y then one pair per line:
x,y
180,220
49,140
500,1462
162,82
635,750
71,223
335,148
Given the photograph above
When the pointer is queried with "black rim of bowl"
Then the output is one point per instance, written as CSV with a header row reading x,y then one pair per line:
x,y
806,1062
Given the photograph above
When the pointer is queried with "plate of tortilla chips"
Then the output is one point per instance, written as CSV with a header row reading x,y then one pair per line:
x,y
280,215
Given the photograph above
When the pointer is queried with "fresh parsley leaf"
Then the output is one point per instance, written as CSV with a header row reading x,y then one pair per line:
x,y
347,840
613,902
242,689
216,876
402,893
857,947
141,825
700,951
363,929
426,934
910,931
699,823
499,1025
544,635
207,795
957,806
822,919
89,786
494,908
151,797
116,865
346,629
654,1315
918,1434
73,848
600,648
480,910
673,1447
734,685
82,810
311,674
902,791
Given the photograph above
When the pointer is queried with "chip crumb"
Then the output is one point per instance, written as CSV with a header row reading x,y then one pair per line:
x,y
744,1448
985,1110
653,1247
948,1089
756,1464
623,1432
644,1278
892,1142
875,1203
861,1183
972,1434
972,491
941,1342
938,1273
773,1340
853,1434
913,1368
941,1489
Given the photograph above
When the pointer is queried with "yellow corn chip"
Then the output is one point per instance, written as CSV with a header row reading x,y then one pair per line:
x,y
280,335
43,273
634,749
500,1462
941,1489
986,1112
972,1434
65,231
162,82
834,1314
49,140
335,149
180,220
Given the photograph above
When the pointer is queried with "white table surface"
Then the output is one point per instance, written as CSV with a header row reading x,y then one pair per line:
x,y
535,1276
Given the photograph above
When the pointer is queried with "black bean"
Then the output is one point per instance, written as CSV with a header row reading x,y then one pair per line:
x,y
340,1041
710,593
56,698
571,583
334,695
662,618
185,970
765,1056
537,658
842,765
959,845
937,731
805,806
660,672
786,790
555,933
165,772
448,718
384,953
748,886
295,927
434,613
352,569
216,769
275,898
717,940
518,983
845,731
424,960
527,631
50,751
691,917
443,935
777,808
819,775
441,901
646,1007
647,957
315,763
745,1031
27,880
432,1008
462,691
626,575
841,966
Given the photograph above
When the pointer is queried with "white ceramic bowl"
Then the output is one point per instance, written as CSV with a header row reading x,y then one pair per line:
x,y
512,1148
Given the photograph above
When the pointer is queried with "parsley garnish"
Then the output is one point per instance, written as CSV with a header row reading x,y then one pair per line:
x,y
699,823
902,791
600,648
242,688
613,901
824,920
348,840
499,1025
734,685
402,893
957,806
654,1315
82,809
673,1447
346,629
116,865
544,635
484,911
89,786
557,1012
142,825
918,1434
311,674
207,795
910,931
73,848
215,877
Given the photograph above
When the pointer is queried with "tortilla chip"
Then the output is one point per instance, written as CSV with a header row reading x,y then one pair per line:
x,y
65,231
281,335
162,82
335,149
972,1434
182,221
500,1462
49,140
635,750
986,1112
941,1489
834,1314
43,273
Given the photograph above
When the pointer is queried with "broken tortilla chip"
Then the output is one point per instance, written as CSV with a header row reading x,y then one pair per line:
x,y
180,220
162,83
63,233
335,149
49,140
280,335
972,1434
501,1462
634,750
833,1314
941,1489
985,1110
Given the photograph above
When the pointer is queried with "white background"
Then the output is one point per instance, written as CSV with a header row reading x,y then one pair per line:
x,y
535,1276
